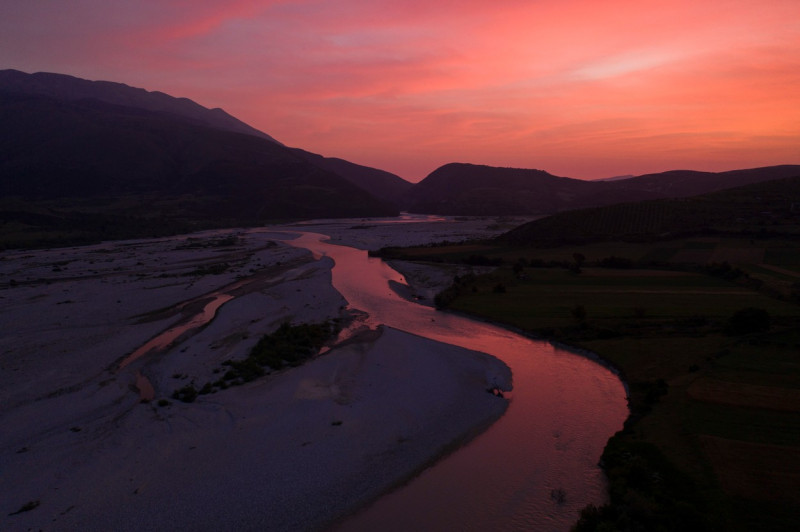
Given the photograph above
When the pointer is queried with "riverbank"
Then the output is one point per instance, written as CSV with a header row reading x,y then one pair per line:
x,y
288,453
411,230
296,449
712,403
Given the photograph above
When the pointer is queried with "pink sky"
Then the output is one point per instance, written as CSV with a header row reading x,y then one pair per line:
x,y
580,88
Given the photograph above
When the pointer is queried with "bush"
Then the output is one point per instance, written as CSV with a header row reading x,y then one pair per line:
x,y
187,394
616,263
288,345
748,321
449,294
724,270
647,492
579,313
482,260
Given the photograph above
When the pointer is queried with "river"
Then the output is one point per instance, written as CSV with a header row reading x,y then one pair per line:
x,y
537,466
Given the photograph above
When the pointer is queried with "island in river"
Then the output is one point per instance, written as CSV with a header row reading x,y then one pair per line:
x,y
297,449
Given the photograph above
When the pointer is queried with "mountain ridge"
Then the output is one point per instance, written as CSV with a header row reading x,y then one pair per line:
x,y
757,209
85,140
80,170
379,183
64,86
470,189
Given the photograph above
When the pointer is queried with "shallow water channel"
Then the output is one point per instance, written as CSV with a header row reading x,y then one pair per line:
x,y
536,467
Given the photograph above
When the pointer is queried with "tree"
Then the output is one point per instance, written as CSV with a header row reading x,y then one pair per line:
x,y
579,313
579,259
748,320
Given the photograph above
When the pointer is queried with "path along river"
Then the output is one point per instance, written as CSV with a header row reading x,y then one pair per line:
x,y
537,466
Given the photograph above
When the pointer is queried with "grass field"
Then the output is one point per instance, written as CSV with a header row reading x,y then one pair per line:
x,y
714,438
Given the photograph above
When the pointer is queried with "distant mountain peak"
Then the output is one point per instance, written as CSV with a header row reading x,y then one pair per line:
x,y
82,161
71,88
471,189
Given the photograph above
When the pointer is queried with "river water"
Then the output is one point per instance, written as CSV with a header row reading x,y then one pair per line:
x,y
537,466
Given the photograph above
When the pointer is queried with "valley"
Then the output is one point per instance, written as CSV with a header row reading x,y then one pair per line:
x,y
205,326
703,328
92,446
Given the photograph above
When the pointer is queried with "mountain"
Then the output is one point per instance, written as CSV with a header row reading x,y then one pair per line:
x,y
69,88
379,183
684,183
91,168
468,189
758,209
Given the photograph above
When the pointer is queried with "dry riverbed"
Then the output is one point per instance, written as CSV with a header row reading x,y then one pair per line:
x,y
296,449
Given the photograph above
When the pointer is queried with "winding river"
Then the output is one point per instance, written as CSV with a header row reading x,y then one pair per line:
x,y
536,467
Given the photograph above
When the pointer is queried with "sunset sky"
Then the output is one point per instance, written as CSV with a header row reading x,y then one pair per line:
x,y
580,88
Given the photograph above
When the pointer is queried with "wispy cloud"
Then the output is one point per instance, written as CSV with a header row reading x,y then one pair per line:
x,y
577,87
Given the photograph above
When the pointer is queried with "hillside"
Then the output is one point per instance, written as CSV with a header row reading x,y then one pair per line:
x,y
466,189
70,88
760,208
89,169
379,183
682,183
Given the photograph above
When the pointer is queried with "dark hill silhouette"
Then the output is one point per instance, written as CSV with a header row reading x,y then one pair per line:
x,y
467,189
70,88
684,183
57,149
379,183
93,170
757,209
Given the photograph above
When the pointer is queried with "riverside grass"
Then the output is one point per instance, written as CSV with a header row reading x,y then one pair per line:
x,y
710,410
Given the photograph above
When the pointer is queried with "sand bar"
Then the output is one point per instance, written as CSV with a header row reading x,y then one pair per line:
x,y
293,450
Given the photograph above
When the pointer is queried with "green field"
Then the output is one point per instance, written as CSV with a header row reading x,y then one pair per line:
x,y
713,442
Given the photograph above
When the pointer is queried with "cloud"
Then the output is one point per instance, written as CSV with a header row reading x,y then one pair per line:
x,y
569,85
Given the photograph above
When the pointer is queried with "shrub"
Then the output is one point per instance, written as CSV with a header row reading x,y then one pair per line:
x,y
288,345
579,313
616,263
748,321
187,394
482,260
27,507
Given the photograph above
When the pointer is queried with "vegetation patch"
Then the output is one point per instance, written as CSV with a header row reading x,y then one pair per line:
x,y
205,243
290,345
709,350
647,492
211,269
755,471
745,394
187,393
27,507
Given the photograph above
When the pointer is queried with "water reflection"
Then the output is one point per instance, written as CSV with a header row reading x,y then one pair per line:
x,y
532,470
163,340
